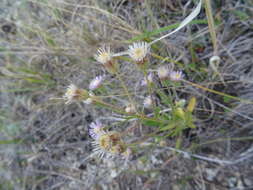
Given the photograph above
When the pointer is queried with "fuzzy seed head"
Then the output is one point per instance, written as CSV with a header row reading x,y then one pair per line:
x,y
96,82
176,75
138,51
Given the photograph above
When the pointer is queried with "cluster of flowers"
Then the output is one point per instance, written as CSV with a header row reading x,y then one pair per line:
x,y
138,52
110,142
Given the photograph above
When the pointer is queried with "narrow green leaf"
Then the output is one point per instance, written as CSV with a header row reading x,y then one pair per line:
x,y
147,35
12,141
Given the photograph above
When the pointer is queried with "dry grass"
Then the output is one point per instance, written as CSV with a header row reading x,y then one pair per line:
x,y
45,45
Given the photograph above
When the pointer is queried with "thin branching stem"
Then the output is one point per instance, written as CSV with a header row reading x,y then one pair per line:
x,y
125,89
118,110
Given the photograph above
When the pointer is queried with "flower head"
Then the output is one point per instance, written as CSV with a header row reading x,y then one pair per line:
x,y
96,129
96,82
176,75
148,102
163,72
130,108
138,51
148,79
108,144
104,55
73,93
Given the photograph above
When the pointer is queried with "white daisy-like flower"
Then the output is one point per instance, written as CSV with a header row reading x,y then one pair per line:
x,y
130,108
104,55
138,51
108,144
72,93
96,82
176,75
148,102
163,72
148,79
96,129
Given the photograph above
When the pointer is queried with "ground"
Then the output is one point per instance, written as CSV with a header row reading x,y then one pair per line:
x,y
47,45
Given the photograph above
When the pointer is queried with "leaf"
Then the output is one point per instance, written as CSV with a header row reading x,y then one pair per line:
x,y
50,41
21,90
12,141
240,14
35,80
226,99
26,70
191,105
151,123
185,22
147,35
169,127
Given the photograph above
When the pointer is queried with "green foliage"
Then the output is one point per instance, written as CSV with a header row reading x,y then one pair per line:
x,y
147,35
242,15
38,79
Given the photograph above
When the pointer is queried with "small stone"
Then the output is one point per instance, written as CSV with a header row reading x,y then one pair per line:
x,y
248,182
114,173
232,181
211,173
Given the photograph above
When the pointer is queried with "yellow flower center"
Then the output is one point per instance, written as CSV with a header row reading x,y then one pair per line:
x,y
104,142
107,141
105,56
139,52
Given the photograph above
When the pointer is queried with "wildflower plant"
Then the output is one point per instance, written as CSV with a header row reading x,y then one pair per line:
x,y
139,99
159,108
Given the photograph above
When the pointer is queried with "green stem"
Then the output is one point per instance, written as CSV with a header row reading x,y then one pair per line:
x,y
211,26
125,89
149,86
118,110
